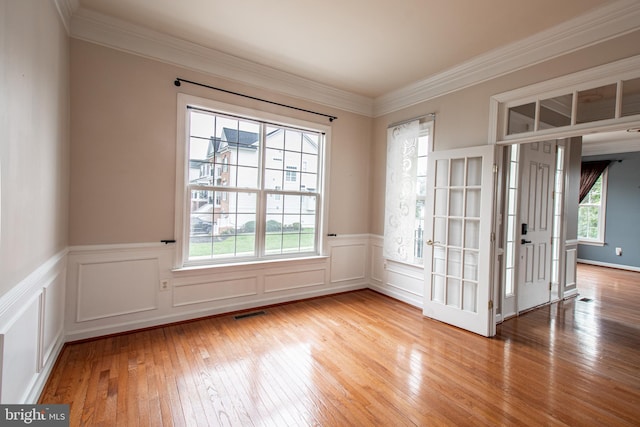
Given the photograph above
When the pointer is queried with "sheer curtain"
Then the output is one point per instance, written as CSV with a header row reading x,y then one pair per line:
x,y
589,174
400,194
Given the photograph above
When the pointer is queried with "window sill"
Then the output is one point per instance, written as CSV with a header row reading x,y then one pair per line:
x,y
251,264
591,242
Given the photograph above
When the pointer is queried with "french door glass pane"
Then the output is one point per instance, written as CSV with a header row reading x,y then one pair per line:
x,y
441,202
442,173
470,265
453,292
455,232
469,296
439,259
456,202
440,230
473,203
437,293
457,172
474,171
454,263
472,234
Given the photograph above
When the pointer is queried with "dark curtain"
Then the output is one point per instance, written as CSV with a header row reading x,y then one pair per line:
x,y
589,175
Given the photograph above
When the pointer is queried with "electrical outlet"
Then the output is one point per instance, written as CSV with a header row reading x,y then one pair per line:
x,y
164,284
619,251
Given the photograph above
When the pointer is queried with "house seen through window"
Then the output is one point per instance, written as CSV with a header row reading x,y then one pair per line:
x,y
248,195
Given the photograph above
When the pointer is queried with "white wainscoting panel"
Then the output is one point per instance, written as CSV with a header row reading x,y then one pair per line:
x,y
116,288
401,281
20,355
294,280
208,291
52,317
31,331
377,260
571,265
405,282
102,286
348,261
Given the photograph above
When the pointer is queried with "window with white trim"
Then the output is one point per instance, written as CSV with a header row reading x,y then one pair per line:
x,y
591,212
262,205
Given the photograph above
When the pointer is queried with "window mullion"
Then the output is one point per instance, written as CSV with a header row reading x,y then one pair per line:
x,y
261,208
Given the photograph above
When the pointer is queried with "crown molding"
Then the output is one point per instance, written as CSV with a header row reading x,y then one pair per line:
x,y
66,8
597,26
117,34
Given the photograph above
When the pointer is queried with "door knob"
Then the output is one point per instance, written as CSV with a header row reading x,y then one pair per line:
x,y
524,241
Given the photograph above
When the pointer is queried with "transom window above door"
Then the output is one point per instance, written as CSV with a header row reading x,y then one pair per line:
x,y
599,99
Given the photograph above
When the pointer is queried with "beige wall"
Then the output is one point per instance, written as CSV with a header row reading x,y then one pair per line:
x,y
123,139
34,117
463,117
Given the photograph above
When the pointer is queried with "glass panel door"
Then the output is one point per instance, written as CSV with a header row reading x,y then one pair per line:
x,y
458,255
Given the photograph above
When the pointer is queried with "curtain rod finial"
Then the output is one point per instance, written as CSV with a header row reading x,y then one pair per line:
x,y
177,82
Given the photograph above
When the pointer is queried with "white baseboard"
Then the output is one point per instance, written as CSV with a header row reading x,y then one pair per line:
x,y
610,265
406,297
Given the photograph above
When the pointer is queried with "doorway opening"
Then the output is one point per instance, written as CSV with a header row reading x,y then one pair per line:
x,y
533,225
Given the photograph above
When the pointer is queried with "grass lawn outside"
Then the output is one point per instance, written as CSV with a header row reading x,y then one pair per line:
x,y
245,243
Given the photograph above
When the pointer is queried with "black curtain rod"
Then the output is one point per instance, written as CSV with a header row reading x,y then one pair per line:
x,y
178,81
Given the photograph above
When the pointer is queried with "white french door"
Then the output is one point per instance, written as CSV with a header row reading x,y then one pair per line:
x,y
458,231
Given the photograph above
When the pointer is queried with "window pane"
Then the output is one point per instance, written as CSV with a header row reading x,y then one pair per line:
x,y
309,163
293,140
294,229
555,112
521,118
631,97
202,125
275,137
273,179
596,104
225,227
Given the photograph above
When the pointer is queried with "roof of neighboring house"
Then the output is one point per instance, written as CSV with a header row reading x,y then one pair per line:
x,y
240,137
233,137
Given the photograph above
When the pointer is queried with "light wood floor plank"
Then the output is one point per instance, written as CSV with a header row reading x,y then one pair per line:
x,y
364,359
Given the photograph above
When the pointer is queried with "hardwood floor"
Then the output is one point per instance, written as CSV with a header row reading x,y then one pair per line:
x,y
364,359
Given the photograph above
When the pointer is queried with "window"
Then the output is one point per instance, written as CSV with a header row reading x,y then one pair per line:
x,y
513,165
591,213
261,206
408,146
290,174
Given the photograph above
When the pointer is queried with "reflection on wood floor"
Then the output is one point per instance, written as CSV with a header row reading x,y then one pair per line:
x,y
364,359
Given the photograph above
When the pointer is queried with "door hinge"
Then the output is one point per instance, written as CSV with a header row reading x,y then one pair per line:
x,y
495,168
490,304
549,285
493,236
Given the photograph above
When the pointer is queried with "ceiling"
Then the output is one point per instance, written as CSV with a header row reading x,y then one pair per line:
x,y
364,47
